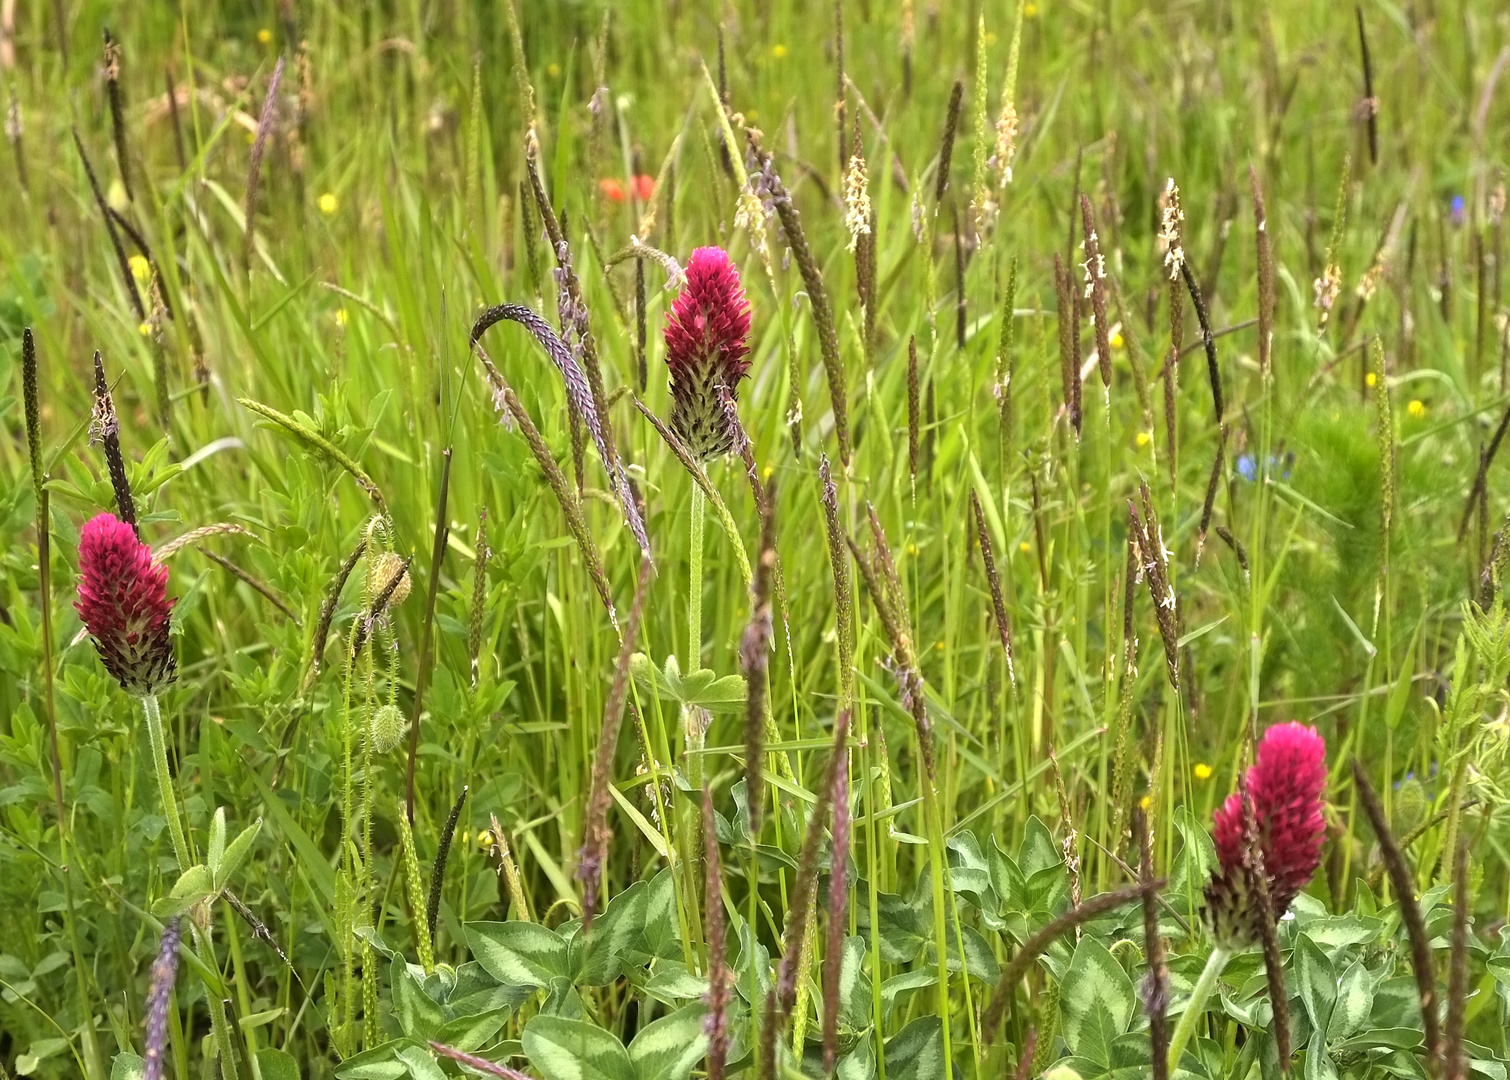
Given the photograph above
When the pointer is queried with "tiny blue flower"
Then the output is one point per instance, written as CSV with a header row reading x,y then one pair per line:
x,y
1459,211
1247,467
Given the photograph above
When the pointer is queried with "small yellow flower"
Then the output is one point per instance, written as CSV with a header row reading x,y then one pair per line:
x,y
144,329
340,316
251,138
767,473
264,35
329,204
141,269
1372,378
1024,547
1144,438
990,37
484,838
1416,408
912,549
553,70
1202,771
938,647
1117,340
778,51
1030,11
1146,801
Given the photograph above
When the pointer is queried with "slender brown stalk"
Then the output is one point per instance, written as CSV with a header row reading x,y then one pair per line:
x,y
1209,506
1265,277
1006,369
30,391
254,167
255,582
1454,1060
1095,287
1480,478
578,391
117,101
998,606
571,506
817,293
596,834
479,596
1369,106
1410,912
442,856
1069,348
327,612
1036,945
14,131
754,660
115,239
1207,338
1150,539
105,426
482,1065
1156,989
795,930
838,904
178,130
716,1025
1274,970
946,143
639,322
914,409
1172,381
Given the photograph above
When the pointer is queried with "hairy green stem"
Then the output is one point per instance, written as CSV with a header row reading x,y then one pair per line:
x,y
1195,1008
695,580
159,743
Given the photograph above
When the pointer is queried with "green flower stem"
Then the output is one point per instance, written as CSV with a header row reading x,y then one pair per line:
x,y
219,1022
159,743
1196,1007
695,581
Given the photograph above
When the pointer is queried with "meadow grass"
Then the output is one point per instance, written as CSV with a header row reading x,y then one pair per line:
x,y
1124,380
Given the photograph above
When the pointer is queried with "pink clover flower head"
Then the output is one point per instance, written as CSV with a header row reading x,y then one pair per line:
x,y
707,350
123,600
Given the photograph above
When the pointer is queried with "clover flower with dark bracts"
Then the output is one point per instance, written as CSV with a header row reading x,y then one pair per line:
x,y
123,600
1285,789
707,349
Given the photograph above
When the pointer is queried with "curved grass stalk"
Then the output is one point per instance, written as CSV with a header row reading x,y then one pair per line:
x,y
315,441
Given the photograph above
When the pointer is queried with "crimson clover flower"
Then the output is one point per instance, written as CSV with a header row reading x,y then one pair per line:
x,y
123,600
707,349
1285,790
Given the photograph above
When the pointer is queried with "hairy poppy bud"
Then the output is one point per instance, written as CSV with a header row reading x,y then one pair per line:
x,y
707,345
123,600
